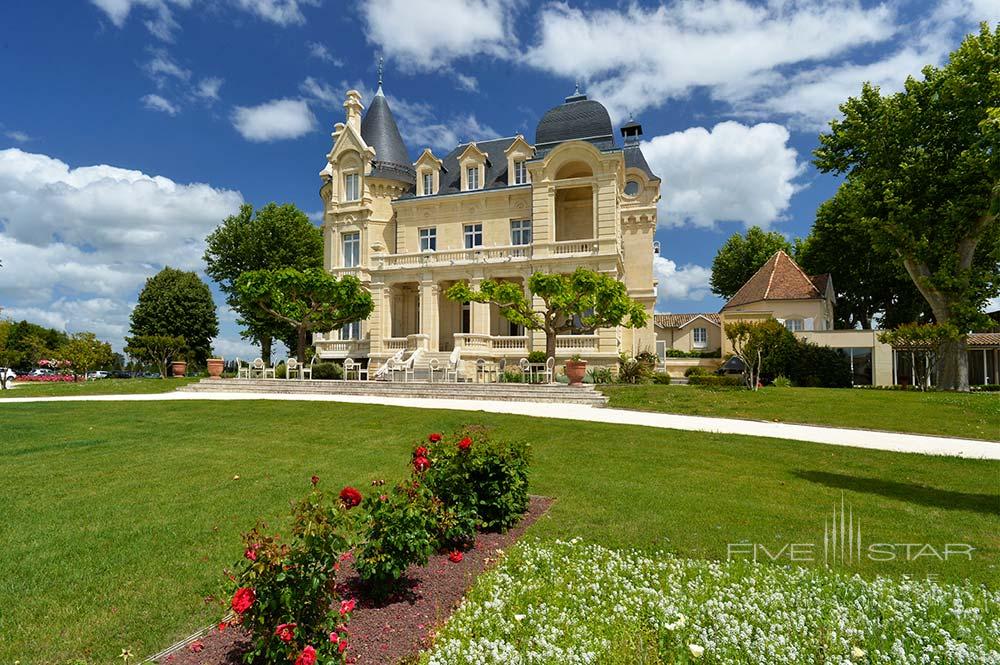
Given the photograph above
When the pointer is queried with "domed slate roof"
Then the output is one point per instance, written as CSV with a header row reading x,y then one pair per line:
x,y
578,118
379,130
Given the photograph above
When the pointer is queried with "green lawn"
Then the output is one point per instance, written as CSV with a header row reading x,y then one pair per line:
x,y
119,518
98,387
972,416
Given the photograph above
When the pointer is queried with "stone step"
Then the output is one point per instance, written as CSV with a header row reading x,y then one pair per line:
x,y
550,393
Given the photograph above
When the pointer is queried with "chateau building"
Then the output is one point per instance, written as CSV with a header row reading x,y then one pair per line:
x,y
498,209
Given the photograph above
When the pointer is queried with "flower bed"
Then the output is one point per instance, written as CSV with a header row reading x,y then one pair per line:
x,y
567,602
46,378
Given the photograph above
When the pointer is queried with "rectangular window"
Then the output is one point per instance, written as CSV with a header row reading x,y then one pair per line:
x,y
473,236
661,350
472,177
520,173
352,249
352,187
428,239
700,337
428,184
351,330
466,317
794,325
520,232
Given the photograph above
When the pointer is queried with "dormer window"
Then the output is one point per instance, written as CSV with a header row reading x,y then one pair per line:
x,y
428,181
520,172
472,177
352,187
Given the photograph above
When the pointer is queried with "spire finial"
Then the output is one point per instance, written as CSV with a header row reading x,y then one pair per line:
x,y
380,60
576,90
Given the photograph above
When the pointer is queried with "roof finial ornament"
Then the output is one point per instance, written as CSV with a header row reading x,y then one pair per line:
x,y
380,61
576,89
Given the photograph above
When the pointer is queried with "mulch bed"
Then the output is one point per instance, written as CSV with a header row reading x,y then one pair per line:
x,y
384,633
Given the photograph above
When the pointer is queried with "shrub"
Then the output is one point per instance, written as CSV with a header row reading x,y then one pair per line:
x,y
537,357
633,371
600,375
677,353
328,371
695,371
818,366
397,532
985,388
712,380
782,382
279,371
473,473
511,376
647,358
661,378
284,590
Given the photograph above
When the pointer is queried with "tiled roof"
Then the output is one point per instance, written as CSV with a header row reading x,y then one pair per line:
x,y
681,320
635,159
780,278
983,339
379,130
577,118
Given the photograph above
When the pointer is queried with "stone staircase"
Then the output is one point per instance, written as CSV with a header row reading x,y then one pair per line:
x,y
508,392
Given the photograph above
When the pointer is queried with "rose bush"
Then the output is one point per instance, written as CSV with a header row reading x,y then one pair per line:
x,y
285,593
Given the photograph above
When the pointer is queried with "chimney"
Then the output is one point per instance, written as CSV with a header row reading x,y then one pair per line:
x,y
353,108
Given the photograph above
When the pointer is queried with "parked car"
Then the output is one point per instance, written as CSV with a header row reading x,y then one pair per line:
x,y
151,375
121,374
41,372
99,374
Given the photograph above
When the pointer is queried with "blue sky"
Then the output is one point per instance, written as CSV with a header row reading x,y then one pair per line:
x,y
130,128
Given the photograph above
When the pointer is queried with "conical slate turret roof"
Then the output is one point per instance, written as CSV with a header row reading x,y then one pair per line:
x,y
379,130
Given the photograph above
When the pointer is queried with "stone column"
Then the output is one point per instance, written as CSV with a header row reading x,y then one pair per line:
x,y
480,311
376,322
430,324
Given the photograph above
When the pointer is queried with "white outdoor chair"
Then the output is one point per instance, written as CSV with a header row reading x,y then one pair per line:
x,y
486,371
407,366
433,367
242,371
306,371
501,369
525,369
454,364
549,372
356,368
293,369
258,370
382,373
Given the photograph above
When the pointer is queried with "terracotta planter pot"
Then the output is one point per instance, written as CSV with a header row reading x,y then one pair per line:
x,y
178,369
575,371
215,368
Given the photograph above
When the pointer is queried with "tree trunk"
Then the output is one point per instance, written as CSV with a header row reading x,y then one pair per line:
x,y
300,353
550,344
265,348
954,364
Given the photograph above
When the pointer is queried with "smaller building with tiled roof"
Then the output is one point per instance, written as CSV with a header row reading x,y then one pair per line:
x,y
698,332
783,290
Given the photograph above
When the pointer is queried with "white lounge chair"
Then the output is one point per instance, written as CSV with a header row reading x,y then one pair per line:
x,y
382,373
454,364
407,366
356,368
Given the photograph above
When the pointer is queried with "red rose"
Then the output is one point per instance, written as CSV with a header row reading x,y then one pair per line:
x,y
421,464
421,451
307,657
314,480
456,557
342,645
347,606
243,599
196,647
350,496
285,632
434,438
334,638
464,443
251,554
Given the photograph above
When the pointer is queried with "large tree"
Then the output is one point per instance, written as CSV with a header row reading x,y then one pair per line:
x,y
23,344
156,349
309,300
175,303
578,303
928,161
274,237
741,256
869,277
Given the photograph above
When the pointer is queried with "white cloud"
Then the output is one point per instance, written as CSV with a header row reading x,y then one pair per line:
x,y
158,103
689,282
78,243
419,123
208,89
274,120
160,21
280,12
467,83
20,137
734,172
161,67
636,58
429,34
321,52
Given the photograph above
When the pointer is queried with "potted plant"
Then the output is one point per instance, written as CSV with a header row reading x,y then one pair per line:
x,y
215,366
576,368
178,368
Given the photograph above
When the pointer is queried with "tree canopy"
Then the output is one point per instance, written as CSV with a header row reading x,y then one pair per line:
x,y
580,302
309,299
276,236
869,277
156,349
741,256
23,344
175,303
927,160
85,352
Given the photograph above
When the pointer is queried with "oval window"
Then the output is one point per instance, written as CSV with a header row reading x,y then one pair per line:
x,y
632,187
